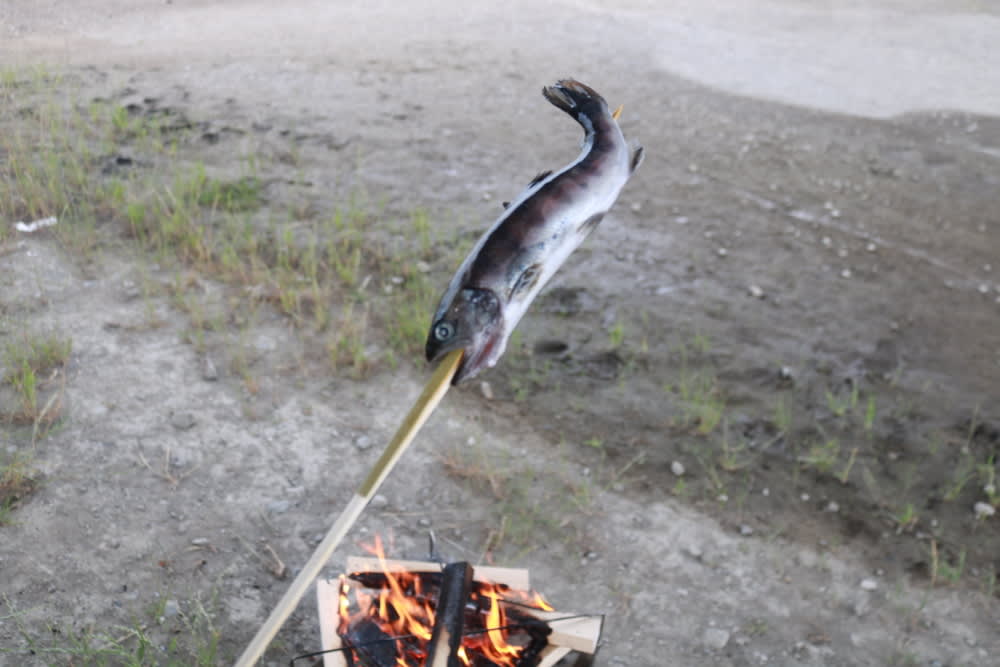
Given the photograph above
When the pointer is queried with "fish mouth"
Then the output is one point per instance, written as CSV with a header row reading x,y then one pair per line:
x,y
477,356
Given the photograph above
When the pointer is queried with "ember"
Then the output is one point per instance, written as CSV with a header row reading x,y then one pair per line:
x,y
399,614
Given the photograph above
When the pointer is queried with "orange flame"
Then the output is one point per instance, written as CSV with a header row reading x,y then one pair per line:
x,y
402,608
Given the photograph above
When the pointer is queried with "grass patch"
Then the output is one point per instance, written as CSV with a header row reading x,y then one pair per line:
x,y
354,281
33,365
187,637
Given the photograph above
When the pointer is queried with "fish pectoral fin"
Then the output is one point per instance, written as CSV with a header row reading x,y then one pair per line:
x,y
541,177
526,280
637,156
617,112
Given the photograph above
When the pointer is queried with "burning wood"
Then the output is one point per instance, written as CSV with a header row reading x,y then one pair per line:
x,y
386,615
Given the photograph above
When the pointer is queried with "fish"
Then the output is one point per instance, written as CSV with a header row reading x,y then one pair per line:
x,y
514,259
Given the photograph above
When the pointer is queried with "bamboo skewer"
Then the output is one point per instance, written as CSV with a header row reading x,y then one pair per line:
x,y
429,399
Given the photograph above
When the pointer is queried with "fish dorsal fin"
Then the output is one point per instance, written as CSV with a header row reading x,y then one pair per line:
x,y
541,177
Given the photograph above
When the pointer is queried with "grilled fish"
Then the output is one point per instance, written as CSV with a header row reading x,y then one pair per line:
x,y
534,235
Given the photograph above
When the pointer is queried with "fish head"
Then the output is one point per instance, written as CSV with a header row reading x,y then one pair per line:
x,y
472,321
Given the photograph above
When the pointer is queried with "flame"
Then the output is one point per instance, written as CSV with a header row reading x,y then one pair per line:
x,y
402,608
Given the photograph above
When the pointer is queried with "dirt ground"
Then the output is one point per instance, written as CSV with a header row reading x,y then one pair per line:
x,y
749,420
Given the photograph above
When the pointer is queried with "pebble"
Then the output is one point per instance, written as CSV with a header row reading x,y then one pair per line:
x,y
846,273
756,291
209,373
869,584
362,442
171,608
199,541
745,530
424,523
984,288
694,551
278,506
182,421
805,497
379,502
983,510
827,241
765,492
716,638
636,207
677,468
423,267
721,252
486,390
832,506
871,247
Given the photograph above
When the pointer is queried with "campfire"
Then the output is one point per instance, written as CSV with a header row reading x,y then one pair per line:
x,y
390,613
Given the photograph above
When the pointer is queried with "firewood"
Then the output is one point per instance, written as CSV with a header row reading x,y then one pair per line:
x,y
450,616
515,578
580,633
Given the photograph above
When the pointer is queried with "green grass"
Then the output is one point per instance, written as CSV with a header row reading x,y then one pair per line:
x,y
351,278
187,639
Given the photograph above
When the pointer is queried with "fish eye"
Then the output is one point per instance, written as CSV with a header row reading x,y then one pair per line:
x,y
443,331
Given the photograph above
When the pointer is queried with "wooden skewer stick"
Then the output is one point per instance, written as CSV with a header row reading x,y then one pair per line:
x,y
435,390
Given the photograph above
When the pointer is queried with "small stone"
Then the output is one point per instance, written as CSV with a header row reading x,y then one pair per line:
x,y
681,220
723,498
424,522
694,551
756,291
486,390
362,442
983,510
209,373
716,638
636,207
990,489
423,267
171,608
871,247
379,502
846,273
869,584
765,492
984,288
278,506
677,468
182,421
786,373
200,541
721,252
805,497
826,241
746,530
832,506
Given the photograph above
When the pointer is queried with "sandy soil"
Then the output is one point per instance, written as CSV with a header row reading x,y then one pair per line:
x,y
816,213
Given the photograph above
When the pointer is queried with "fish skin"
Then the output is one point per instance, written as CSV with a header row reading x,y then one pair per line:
x,y
534,235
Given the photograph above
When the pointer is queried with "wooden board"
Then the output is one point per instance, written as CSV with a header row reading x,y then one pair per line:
x,y
328,601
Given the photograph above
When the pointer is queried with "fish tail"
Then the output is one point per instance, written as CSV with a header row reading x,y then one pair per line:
x,y
578,100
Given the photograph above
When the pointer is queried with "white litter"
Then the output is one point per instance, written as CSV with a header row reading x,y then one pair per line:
x,y
29,227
